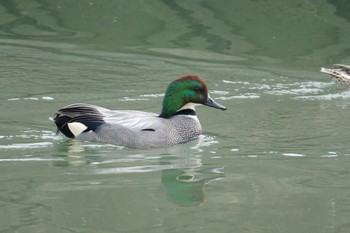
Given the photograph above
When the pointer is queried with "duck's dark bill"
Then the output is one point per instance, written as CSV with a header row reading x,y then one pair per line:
x,y
211,103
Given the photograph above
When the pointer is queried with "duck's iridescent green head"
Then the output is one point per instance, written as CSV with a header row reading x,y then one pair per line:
x,y
186,92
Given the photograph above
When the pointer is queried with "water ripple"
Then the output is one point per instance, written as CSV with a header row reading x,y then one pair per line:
x,y
34,159
26,145
183,164
310,90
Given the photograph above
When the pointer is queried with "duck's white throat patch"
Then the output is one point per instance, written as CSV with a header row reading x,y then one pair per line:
x,y
188,106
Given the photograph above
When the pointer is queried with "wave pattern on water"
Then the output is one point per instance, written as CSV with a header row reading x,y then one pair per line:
x,y
32,159
182,164
308,90
28,139
26,145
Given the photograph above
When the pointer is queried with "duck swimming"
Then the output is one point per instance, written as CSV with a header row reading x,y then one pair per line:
x,y
177,122
341,73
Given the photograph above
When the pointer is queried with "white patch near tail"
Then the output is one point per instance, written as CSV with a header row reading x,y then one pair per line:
x,y
76,128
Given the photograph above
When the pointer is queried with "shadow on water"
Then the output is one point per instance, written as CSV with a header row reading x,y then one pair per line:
x,y
186,187
183,174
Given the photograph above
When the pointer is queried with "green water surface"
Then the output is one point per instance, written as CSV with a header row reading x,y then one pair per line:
x,y
277,160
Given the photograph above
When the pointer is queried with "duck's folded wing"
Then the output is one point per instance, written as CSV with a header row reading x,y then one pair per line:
x,y
135,120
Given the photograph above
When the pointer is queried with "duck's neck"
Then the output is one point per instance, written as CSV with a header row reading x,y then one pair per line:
x,y
187,112
169,109
187,109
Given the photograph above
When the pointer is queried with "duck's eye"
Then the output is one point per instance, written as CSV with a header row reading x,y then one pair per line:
x,y
197,89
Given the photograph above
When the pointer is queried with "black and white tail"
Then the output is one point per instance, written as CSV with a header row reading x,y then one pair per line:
x,y
76,119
